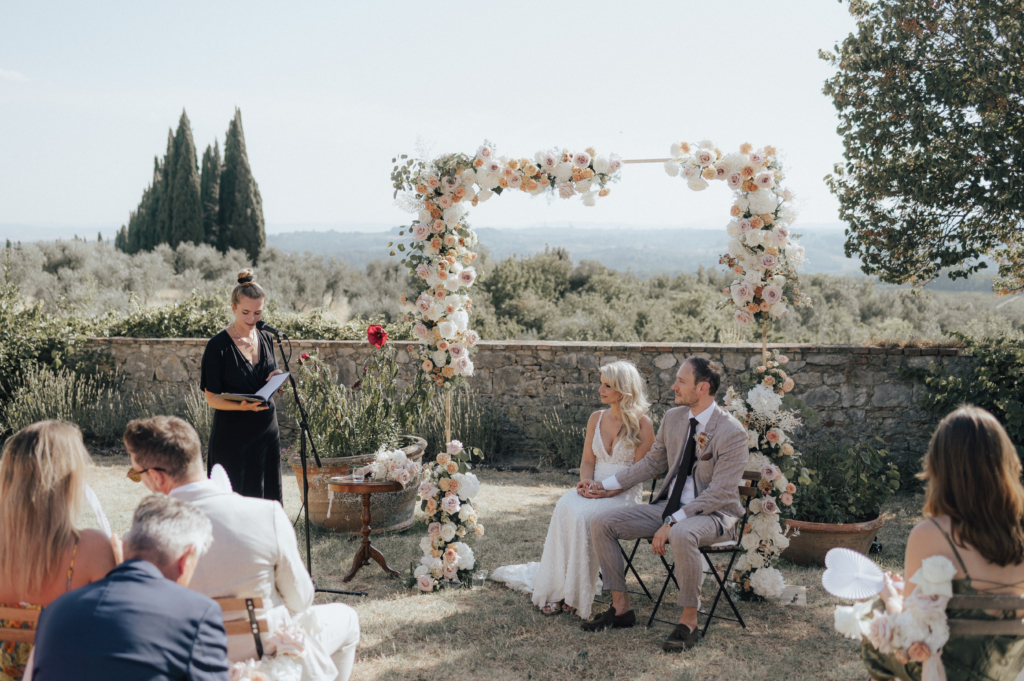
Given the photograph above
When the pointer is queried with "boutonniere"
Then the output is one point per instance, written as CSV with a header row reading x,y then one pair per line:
x,y
702,440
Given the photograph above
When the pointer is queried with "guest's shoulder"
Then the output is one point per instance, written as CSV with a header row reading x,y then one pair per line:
x,y
219,340
930,530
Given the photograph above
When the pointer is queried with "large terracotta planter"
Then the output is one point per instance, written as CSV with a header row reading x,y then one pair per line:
x,y
391,511
816,539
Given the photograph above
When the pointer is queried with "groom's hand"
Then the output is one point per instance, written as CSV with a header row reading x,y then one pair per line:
x,y
660,539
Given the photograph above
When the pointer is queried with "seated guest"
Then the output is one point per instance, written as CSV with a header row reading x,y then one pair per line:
x,y
974,510
254,554
140,622
42,554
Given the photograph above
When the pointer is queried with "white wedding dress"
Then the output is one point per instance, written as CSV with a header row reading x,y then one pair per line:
x,y
568,569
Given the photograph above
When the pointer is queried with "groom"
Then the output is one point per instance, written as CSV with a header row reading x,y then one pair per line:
x,y
704,449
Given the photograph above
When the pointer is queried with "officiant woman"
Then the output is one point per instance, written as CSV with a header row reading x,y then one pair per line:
x,y
240,359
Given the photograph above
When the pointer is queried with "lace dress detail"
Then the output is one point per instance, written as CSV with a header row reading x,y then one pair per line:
x,y
568,569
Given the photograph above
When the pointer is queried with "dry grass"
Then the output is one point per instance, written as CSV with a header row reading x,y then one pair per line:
x,y
495,633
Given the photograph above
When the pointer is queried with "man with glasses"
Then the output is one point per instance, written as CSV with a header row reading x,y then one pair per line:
x,y
254,553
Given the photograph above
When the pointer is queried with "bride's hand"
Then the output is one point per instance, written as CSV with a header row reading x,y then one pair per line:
x,y
583,487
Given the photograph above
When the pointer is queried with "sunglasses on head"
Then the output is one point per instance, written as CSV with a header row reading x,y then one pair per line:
x,y
136,476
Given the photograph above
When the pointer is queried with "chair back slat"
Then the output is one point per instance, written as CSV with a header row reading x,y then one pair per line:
x,y
986,602
986,627
235,604
243,627
17,635
748,491
752,475
19,614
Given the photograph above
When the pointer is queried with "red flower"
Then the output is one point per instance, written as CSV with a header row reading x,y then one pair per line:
x,y
304,355
376,335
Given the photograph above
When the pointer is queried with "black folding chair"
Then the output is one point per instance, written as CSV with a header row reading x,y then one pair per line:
x,y
731,547
628,558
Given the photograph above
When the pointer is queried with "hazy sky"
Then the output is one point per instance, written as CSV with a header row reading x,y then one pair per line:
x,y
330,92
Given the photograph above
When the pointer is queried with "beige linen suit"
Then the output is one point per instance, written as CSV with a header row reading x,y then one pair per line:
x,y
255,553
710,517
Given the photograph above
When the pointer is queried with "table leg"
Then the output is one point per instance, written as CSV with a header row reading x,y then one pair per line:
x,y
362,556
379,557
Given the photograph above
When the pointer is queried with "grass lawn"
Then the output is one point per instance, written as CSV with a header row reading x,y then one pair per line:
x,y
495,633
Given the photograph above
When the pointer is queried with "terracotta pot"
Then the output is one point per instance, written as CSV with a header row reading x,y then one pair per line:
x,y
815,539
392,511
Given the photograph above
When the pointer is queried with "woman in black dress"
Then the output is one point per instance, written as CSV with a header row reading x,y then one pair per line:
x,y
244,438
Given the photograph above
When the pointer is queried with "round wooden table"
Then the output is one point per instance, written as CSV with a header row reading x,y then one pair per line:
x,y
366,549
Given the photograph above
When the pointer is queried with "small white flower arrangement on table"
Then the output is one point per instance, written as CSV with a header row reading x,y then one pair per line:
x,y
394,466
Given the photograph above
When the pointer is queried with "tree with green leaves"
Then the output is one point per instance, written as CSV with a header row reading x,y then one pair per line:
x,y
186,219
121,239
929,95
209,192
241,208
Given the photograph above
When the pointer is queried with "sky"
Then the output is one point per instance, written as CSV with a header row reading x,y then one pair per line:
x,y
331,92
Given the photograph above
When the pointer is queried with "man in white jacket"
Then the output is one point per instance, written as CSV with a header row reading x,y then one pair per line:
x,y
254,554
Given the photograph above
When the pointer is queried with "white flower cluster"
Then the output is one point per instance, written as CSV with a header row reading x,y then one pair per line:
x,y
281,662
917,632
441,242
761,249
447,493
768,582
395,466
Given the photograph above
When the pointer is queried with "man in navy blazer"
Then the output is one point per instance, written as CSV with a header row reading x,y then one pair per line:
x,y
140,621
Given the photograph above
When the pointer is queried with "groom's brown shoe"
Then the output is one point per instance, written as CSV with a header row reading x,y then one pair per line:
x,y
680,639
608,618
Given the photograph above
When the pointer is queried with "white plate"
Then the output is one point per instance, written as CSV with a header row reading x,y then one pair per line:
x,y
851,575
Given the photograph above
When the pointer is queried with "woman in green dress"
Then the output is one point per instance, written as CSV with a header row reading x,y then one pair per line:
x,y
974,510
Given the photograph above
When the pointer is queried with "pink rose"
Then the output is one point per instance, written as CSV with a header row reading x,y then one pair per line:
x,y
566,191
433,182
705,157
425,583
464,365
757,158
771,294
454,447
769,261
440,293
450,571
427,490
581,159
423,271
451,504
424,304
515,181
768,472
457,350
428,366
449,182
720,171
786,498
467,276
790,488
434,529
880,631
782,359
451,556
549,162
420,329
735,181
919,651
615,163
765,180
745,226
743,318
782,234
420,231
445,201
484,151
773,437
769,506
404,477
788,384
472,337
493,166
450,240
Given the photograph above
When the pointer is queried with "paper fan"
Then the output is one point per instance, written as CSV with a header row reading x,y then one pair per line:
x,y
851,575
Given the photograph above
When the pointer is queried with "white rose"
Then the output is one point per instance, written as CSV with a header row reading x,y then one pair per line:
x,y
849,620
447,329
420,571
590,199
448,531
469,486
934,577
706,144
697,184
736,249
755,506
787,194
689,170
426,544
484,195
602,165
566,190
755,237
733,230
778,310
563,172
675,151
705,157
672,168
752,439
762,202
440,357
764,400
768,582
461,321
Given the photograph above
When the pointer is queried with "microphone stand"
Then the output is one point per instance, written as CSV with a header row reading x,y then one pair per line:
x,y
303,432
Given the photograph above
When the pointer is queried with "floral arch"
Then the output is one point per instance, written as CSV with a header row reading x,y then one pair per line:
x,y
439,253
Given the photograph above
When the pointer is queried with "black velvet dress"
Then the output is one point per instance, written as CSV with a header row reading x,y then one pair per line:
x,y
246,443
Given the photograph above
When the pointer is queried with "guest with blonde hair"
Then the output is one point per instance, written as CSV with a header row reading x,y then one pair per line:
x,y
42,552
567,576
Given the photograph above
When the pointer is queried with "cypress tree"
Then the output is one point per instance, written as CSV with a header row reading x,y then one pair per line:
x,y
186,222
121,239
99,235
241,208
209,192
162,233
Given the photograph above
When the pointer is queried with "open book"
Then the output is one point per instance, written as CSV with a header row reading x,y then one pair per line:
x,y
264,394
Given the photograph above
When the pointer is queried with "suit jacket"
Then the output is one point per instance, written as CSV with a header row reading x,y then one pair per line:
x,y
716,473
132,624
254,554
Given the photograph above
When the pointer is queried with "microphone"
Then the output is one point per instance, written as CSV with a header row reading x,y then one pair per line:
x,y
263,326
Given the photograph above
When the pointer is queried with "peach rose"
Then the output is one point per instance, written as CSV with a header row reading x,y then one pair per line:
x,y
709,173
760,369
433,183
767,218
787,449
772,435
452,467
788,384
919,651
443,458
755,223
753,308
479,530
604,192
448,372
746,148
444,483
420,189
786,498
431,507
769,380
790,488
454,484
765,306
684,147
747,172
427,365
734,211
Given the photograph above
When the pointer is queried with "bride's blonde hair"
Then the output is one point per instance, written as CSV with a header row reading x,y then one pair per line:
x,y
625,378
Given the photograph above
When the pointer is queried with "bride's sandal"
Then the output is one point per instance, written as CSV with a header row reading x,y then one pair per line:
x,y
552,609
567,608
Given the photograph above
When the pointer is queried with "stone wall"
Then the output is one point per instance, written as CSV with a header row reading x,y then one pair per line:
x,y
857,390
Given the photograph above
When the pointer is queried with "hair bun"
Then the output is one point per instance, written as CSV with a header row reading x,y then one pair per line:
x,y
245,277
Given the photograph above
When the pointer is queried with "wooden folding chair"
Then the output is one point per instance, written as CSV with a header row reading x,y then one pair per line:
x,y
251,625
969,627
17,634
747,490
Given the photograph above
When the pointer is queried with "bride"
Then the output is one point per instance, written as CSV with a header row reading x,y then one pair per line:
x,y
567,575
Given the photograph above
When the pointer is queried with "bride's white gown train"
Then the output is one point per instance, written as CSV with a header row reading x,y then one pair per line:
x,y
568,569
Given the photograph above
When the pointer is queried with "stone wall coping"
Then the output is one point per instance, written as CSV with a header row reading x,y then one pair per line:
x,y
806,348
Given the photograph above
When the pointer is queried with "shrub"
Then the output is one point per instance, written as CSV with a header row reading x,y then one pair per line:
x,y
474,424
849,483
565,438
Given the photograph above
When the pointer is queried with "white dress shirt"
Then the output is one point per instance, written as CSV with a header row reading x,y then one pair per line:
x,y
686,497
